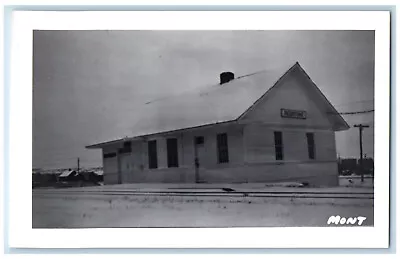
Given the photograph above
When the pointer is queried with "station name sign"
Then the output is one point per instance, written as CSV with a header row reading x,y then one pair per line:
x,y
293,114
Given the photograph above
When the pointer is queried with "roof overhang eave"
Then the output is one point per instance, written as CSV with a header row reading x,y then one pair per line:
x,y
341,127
144,136
103,144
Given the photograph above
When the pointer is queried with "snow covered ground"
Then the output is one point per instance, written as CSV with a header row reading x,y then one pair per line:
x,y
91,211
355,181
85,210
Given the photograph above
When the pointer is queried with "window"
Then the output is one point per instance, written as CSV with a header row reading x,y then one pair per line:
x,y
152,151
311,145
222,146
278,145
172,152
109,155
199,140
126,148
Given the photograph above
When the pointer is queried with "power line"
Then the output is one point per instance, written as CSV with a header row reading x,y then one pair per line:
x,y
352,113
349,103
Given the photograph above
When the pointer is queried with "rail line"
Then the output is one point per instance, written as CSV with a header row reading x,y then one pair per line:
x,y
260,194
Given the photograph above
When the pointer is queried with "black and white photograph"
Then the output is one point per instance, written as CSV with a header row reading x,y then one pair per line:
x,y
225,128
199,130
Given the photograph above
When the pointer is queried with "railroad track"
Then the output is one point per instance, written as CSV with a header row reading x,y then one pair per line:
x,y
260,194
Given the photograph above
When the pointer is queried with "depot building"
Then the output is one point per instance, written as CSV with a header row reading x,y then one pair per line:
x,y
269,126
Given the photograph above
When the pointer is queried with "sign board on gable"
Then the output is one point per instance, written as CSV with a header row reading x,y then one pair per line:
x,y
293,114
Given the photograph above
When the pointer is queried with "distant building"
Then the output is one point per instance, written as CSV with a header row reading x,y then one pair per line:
x,y
368,162
274,125
70,176
349,165
368,165
92,175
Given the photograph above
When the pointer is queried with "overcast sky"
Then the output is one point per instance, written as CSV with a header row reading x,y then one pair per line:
x,y
87,84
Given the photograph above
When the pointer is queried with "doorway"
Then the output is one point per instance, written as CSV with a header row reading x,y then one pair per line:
x,y
125,168
199,156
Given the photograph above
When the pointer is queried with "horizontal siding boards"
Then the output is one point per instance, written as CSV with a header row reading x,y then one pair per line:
x,y
210,159
165,175
258,139
295,145
319,174
325,145
210,156
259,144
260,165
188,157
268,109
235,146
315,173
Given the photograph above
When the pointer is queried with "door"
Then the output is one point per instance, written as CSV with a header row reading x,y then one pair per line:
x,y
125,168
111,175
199,157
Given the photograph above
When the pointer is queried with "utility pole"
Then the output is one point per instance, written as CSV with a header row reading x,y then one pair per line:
x,y
361,168
78,165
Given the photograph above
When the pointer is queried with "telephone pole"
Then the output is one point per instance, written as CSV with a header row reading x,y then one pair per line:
x,y
361,168
78,165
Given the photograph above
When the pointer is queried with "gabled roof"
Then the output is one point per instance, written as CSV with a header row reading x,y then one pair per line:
x,y
68,173
209,105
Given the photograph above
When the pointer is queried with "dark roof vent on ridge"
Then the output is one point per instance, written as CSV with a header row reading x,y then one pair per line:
x,y
225,77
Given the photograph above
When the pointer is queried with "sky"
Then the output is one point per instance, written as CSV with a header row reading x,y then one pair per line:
x,y
87,84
